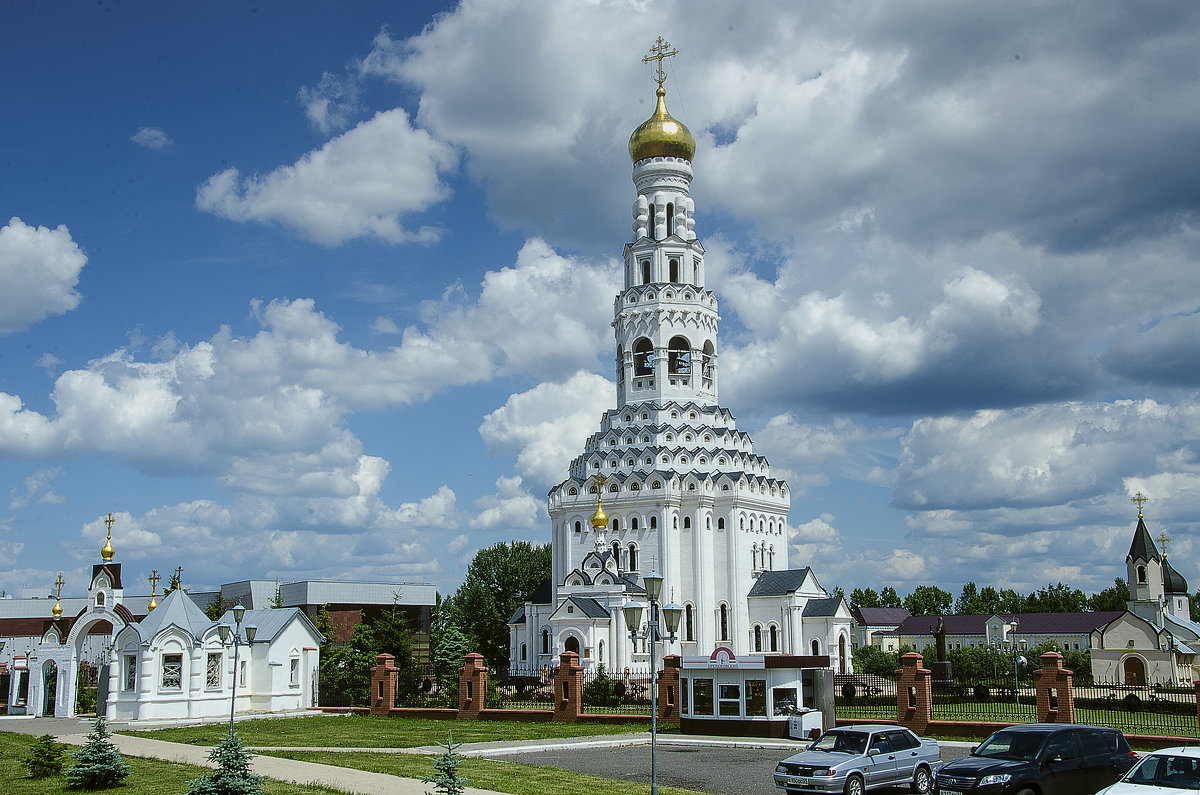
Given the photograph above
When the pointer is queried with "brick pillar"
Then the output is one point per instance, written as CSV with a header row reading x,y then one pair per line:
x,y
668,689
383,684
472,687
568,688
1055,696
914,694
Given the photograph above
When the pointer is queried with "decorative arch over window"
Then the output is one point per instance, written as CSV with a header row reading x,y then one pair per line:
x,y
643,357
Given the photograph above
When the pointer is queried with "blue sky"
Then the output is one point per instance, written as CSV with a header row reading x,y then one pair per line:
x,y
324,290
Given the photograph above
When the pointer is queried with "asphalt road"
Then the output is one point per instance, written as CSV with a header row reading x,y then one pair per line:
x,y
727,771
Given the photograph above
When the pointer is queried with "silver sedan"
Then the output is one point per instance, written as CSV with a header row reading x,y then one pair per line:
x,y
858,758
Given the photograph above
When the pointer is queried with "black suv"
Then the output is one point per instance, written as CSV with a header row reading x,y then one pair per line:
x,y
1046,758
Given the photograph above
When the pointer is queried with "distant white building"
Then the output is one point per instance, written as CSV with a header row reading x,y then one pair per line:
x,y
684,493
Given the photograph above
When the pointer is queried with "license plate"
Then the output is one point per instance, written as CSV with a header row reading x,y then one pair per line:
x,y
948,791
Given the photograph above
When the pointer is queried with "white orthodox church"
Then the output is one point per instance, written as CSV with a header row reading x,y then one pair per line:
x,y
1155,640
683,492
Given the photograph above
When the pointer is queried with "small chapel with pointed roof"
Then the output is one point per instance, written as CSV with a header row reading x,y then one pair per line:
x,y
668,483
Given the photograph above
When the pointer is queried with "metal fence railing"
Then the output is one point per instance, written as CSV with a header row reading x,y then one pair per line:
x,y
522,688
1161,709
984,701
623,693
864,696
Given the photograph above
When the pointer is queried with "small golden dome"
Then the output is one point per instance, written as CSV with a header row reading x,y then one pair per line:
x,y
661,135
108,551
599,518
57,611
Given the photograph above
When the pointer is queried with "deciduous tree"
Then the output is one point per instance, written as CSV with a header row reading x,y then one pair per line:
x,y
499,580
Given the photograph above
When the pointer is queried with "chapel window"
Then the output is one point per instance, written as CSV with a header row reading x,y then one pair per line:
x,y
689,631
645,271
578,526
724,622
172,671
674,266
653,522
670,219
687,523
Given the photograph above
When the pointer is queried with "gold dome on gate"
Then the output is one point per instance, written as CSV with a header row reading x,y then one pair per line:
x,y
108,551
661,135
599,518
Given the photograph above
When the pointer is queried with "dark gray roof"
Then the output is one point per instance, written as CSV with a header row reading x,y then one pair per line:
x,y
519,616
590,607
544,593
1142,547
818,608
779,583
1173,581
1027,623
880,616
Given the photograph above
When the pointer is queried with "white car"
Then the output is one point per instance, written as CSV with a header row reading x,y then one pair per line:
x,y
1170,770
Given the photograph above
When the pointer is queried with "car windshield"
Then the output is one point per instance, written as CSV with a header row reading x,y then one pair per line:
x,y
1162,770
841,742
1011,745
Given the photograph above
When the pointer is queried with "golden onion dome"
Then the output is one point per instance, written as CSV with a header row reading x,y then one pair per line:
x,y
108,551
661,135
599,518
57,611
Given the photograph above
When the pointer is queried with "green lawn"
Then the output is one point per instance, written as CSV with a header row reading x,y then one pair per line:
x,y
361,731
510,777
149,776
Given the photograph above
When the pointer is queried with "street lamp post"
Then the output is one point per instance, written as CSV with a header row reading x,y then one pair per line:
x,y
633,620
233,636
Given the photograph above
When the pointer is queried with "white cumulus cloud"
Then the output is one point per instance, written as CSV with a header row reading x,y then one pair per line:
x,y
39,268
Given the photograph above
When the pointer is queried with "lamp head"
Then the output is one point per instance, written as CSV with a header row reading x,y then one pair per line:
x,y
239,612
251,631
223,631
653,582
671,614
633,615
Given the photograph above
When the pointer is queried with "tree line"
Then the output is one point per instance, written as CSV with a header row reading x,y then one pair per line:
x,y
930,600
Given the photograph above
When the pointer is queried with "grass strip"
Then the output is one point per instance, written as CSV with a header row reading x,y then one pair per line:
x,y
510,777
149,776
364,731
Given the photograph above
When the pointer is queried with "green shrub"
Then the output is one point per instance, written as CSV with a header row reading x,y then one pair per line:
x,y
46,757
447,781
603,690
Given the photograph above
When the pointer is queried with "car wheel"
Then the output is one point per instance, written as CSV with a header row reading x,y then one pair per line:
x,y
920,782
1026,791
854,786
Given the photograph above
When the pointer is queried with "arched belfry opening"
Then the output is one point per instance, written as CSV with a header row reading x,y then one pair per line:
x,y
643,357
680,356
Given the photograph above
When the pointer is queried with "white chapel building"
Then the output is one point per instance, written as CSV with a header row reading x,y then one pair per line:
x,y
682,489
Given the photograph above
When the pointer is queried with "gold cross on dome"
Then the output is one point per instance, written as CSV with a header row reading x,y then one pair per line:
x,y
153,580
1163,539
59,583
599,483
109,522
659,52
1140,499
179,573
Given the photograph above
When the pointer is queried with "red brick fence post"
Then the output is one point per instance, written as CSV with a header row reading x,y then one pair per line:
x,y
383,684
472,687
1055,697
668,689
914,694
568,688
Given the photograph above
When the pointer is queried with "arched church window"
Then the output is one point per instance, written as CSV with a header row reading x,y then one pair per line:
x,y
724,622
629,462
666,460
671,219
635,487
600,648
593,489
645,271
773,636
643,357
616,524
689,628
670,437
1141,572
628,418
613,464
100,599
757,637
649,461
633,523
614,487
816,647
656,484
572,491
692,416
645,415
545,641
674,266
646,439
687,437
578,526
720,522
687,523
653,522
616,550
679,358
633,557
653,230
